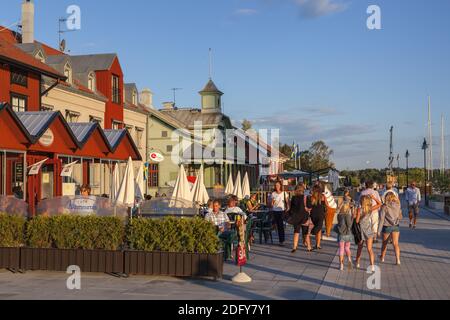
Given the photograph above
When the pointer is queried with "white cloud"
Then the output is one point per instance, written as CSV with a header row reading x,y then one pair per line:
x,y
317,8
245,12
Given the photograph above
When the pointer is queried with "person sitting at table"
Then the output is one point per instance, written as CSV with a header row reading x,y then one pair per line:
x,y
252,204
233,209
218,218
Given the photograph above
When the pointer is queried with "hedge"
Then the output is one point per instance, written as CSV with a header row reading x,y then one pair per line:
x,y
173,235
75,232
11,231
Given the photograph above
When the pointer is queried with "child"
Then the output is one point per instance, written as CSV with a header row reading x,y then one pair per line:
x,y
344,230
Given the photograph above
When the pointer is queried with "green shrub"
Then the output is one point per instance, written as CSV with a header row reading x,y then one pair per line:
x,y
76,232
11,231
173,235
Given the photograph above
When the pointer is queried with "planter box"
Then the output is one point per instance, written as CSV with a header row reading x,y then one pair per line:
x,y
437,205
9,258
100,261
174,264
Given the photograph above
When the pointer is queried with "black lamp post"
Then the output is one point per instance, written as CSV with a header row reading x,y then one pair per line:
x,y
407,167
425,148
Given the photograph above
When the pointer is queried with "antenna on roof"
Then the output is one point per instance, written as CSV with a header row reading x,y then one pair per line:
x,y
62,42
210,64
175,95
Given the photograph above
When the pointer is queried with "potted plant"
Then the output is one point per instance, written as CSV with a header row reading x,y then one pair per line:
x,y
173,247
90,242
11,239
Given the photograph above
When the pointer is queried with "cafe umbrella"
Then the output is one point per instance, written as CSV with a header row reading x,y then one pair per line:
x,y
230,186
182,195
126,193
238,187
200,195
246,192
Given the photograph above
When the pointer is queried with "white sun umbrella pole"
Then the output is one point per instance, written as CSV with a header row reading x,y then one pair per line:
x,y
238,187
126,194
230,186
246,192
200,195
182,194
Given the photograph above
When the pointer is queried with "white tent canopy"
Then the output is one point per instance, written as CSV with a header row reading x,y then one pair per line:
x,y
182,191
238,187
230,185
246,192
126,194
200,195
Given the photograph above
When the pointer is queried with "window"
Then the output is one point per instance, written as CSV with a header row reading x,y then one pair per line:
x,y
72,116
164,134
91,82
95,119
169,148
47,108
19,103
19,77
116,90
139,135
68,72
134,98
129,129
153,175
40,56
116,125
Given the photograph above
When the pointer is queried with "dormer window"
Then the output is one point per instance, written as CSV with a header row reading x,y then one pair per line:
x,y
68,72
91,82
40,56
134,98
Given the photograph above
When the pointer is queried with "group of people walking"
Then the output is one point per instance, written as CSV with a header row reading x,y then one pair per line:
x,y
374,216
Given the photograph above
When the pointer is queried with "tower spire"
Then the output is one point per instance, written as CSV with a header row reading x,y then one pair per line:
x,y
210,64
442,145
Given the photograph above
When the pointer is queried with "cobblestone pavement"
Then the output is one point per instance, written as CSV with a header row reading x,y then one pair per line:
x,y
276,274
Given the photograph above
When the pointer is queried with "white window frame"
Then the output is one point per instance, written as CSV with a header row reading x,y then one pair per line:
x,y
68,72
92,82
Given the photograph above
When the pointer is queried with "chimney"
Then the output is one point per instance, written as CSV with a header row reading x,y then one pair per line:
x,y
27,21
146,98
168,105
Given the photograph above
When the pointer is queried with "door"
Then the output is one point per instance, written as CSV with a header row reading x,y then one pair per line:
x,y
47,182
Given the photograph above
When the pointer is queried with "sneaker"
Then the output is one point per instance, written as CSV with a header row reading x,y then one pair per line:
x,y
373,269
294,251
382,259
414,227
342,267
350,265
410,225
398,263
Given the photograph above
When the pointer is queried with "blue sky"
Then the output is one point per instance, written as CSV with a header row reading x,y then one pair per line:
x,y
308,67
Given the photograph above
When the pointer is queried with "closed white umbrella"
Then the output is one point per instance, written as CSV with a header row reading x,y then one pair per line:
x,y
126,194
246,192
182,195
230,185
200,195
238,187
139,189
115,183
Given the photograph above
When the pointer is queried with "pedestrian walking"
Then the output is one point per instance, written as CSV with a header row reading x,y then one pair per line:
x,y
413,199
279,205
299,217
375,215
318,213
364,219
330,210
344,230
391,215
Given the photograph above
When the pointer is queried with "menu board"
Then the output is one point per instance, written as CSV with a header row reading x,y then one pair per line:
x,y
18,172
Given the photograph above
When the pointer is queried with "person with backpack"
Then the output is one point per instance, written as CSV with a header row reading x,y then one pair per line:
x,y
391,215
299,216
344,230
366,224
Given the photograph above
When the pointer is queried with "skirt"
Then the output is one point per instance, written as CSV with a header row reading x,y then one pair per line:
x,y
367,228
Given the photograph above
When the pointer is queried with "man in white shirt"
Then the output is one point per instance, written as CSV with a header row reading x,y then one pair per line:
x,y
369,191
413,199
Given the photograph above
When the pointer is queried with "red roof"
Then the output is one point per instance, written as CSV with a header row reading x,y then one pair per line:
x,y
49,51
12,54
9,35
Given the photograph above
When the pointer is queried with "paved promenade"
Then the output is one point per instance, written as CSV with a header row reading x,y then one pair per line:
x,y
276,273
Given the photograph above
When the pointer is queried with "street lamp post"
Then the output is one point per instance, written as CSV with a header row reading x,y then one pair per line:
x,y
407,167
425,148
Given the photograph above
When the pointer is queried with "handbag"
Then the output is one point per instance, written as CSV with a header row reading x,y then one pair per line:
x,y
357,234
